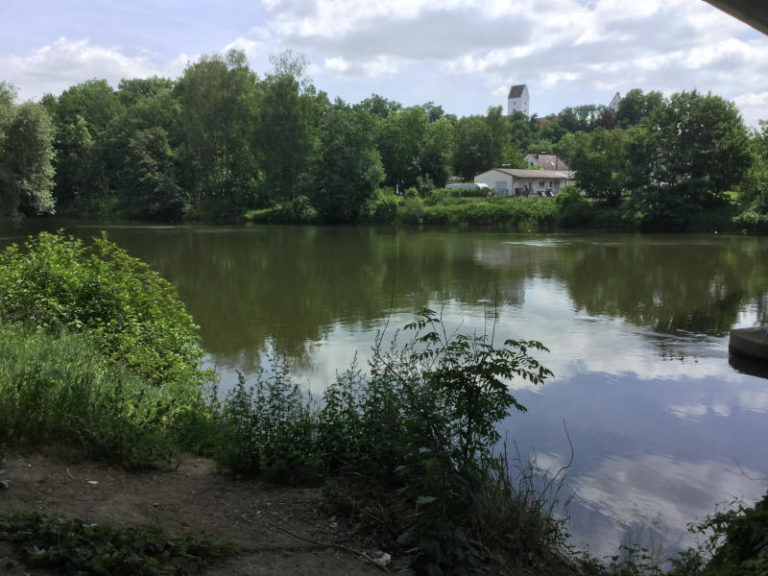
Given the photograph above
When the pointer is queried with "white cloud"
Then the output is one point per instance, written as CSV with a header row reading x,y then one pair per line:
x,y
753,107
336,64
59,65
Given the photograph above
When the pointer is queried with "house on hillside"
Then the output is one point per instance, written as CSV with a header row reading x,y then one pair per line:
x,y
514,182
517,100
547,162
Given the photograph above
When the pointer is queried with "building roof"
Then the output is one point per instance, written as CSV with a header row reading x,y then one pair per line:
x,y
549,162
516,91
541,174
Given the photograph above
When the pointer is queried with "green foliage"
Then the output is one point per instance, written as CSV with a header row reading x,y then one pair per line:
x,y
148,185
413,209
419,431
82,548
286,127
59,390
472,147
349,168
26,157
268,429
513,213
599,159
385,207
133,316
752,222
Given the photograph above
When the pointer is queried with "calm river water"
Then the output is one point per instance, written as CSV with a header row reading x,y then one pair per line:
x,y
662,426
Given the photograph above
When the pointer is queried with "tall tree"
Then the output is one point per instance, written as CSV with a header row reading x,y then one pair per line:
x,y
599,159
348,168
472,147
696,149
149,189
287,133
86,165
26,157
218,98
399,141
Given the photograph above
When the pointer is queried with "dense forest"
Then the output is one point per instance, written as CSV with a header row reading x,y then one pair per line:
x,y
221,141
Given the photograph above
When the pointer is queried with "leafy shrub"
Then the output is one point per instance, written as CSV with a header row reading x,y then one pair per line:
x,y
422,428
84,548
413,209
268,429
385,208
752,222
299,210
58,389
573,210
537,213
134,316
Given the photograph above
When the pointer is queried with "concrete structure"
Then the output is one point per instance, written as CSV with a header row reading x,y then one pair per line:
x,y
547,162
750,342
514,182
614,105
753,12
518,99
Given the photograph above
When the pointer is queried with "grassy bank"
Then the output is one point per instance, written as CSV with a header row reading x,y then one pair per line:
x,y
569,210
407,447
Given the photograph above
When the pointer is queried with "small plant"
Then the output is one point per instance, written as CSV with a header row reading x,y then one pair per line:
x,y
82,548
268,429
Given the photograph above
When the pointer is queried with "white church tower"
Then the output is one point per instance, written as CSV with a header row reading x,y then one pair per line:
x,y
518,99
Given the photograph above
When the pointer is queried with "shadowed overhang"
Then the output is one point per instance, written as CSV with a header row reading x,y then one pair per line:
x,y
753,12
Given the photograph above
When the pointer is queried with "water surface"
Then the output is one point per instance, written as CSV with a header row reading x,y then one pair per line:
x,y
662,426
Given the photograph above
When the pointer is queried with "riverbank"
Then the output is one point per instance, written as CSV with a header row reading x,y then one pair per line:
x,y
569,210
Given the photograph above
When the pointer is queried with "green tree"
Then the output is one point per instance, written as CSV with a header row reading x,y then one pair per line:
x,y
379,106
599,159
435,154
636,106
26,157
149,189
472,147
286,133
698,148
754,188
349,169
86,161
218,98
399,141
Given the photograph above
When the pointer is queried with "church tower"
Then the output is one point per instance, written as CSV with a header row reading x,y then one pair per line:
x,y
518,99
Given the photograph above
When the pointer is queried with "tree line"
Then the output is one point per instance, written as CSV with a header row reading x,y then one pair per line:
x,y
221,140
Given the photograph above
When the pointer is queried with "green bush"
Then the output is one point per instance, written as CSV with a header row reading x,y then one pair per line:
x,y
413,209
385,208
513,213
417,436
752,222
59,390
134,316
84,548
268,429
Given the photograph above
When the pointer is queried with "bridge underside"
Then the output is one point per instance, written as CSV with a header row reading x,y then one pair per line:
x,y
753,12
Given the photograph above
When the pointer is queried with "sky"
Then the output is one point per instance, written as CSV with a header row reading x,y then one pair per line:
x,y
461,54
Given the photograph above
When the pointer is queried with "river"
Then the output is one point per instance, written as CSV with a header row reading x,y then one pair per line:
x,y
662,427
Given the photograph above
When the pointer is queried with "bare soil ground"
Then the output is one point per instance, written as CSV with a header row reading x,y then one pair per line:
x,y
276,530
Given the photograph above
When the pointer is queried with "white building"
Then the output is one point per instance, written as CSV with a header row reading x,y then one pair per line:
x,y
518,99
514,182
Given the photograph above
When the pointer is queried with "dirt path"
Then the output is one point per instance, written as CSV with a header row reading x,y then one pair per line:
x,y
193,498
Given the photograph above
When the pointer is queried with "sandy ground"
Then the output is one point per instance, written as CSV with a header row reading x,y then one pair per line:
x,y
194,498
